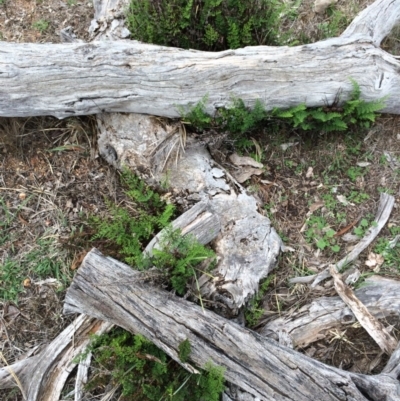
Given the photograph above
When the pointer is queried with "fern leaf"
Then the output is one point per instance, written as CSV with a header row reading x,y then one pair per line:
x,y
333,115
371,107
284,114
318,115
356,92
336,125
369,116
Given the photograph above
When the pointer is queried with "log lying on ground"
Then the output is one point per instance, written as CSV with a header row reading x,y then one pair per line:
x,y
42,377
313,321
149,147
78,79
107,289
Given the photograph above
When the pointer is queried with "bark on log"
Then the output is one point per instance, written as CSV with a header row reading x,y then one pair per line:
x,y
77,79
111,97
109,290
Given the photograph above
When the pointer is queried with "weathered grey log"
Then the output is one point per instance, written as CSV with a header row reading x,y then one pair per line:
x,y
313,321
109,290
76,79
42,377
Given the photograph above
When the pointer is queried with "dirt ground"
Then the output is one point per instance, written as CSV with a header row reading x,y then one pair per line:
x,y
52,180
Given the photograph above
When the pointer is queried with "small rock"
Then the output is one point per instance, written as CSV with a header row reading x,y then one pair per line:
x,y
320,6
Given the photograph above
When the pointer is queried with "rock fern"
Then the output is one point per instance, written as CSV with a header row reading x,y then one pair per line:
x,y
238,119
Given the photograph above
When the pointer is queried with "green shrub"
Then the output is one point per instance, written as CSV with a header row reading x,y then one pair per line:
x,y
178,258
212,25
129,231
146,373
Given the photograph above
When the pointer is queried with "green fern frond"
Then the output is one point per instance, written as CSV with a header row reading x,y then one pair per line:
x,y
369,108
289,113
356,92
299,117
318,115
333,116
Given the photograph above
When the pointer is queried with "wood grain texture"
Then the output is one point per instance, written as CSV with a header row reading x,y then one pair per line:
x,y
43,376
312,322
77,79
109,290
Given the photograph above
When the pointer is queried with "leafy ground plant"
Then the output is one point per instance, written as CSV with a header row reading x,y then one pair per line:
x,y
255,309
146,373
42,262
390,251
181,258
130,230
178,258
320,234
41,25
238,119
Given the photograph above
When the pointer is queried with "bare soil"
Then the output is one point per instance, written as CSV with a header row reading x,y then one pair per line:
x,y
52,180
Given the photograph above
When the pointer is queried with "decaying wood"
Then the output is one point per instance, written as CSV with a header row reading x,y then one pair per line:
x,y
43,376
313,321
246,245
73,79
109,20
82,376
373,327
153,153
258,365
386,204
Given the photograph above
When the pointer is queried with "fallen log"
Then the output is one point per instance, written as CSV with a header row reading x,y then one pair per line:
x,y
357,44
73,79
42,376
312,322
110,290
